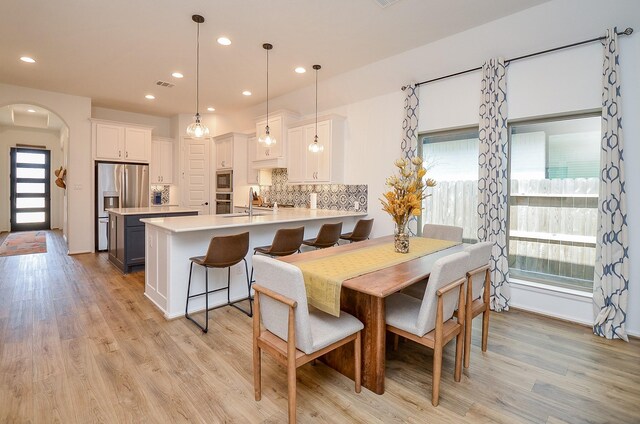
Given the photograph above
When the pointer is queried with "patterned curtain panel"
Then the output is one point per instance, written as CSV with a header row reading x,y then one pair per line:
x,y
492,179
409,143
611,280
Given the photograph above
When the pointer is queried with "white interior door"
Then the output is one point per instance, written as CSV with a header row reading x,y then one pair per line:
x,y
195,176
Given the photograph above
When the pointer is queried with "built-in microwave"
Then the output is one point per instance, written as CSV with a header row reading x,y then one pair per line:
x,y
224,181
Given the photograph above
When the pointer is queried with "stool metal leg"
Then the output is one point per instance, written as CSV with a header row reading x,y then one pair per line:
x,y
206,293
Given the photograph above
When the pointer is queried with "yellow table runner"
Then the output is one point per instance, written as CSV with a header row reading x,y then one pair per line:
x,y
323,277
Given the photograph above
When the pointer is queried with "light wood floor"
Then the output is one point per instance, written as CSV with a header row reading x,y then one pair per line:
x,y
80,343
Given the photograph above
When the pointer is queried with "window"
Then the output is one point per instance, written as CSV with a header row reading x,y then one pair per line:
x,y
452,160
554,167
553,201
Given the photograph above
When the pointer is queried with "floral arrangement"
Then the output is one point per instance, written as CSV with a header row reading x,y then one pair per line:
x,y
407,190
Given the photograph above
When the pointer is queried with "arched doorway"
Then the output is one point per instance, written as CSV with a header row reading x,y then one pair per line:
x,y
34,143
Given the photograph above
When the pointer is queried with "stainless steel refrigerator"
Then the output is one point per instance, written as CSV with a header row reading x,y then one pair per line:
x,y
123,185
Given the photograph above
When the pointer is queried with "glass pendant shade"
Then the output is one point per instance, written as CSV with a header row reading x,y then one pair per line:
x,y
197,129
267,139
316,147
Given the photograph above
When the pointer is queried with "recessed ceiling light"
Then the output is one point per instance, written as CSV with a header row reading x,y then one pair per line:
x,y
150,97
27,59
246,92
177,75
31,110
224,41
211,109
300,70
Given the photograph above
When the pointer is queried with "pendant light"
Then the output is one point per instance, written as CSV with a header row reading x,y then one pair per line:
x,y
267,139
197,129
316,147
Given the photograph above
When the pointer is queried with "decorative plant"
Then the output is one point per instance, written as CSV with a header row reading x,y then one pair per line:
x,y
407,191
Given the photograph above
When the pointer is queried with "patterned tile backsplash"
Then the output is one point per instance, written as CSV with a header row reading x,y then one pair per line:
x,y
330,196
165,193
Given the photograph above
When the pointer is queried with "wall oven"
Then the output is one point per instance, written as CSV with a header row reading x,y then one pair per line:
x,y
224,203
224,181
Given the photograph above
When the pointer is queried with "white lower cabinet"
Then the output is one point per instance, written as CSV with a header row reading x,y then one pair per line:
x,y
323,167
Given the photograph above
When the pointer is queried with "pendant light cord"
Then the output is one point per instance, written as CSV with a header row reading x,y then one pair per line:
x,y
267,88
316,138
198,70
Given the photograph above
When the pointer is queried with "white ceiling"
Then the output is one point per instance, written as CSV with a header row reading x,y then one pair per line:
x,y
114,51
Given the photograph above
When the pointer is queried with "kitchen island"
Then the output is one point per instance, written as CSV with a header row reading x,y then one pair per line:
x,y
170,242
125,235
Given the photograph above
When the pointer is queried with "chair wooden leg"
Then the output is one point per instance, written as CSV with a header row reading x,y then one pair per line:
x,y
460,338
437,369
396,339
291,385
357,348
485,328
468,323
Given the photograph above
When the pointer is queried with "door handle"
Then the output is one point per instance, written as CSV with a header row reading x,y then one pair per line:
x,y
205,204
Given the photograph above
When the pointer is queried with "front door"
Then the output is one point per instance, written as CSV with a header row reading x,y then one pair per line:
x,y
30,189
196,175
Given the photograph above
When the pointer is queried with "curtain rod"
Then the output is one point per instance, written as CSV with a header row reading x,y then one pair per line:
x,y
627,31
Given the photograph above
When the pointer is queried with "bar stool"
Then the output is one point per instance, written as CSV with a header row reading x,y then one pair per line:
x,y
287,241
328,236
360,232
223,252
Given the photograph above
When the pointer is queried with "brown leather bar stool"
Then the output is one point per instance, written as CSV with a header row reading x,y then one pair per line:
x,y
223,252
328,236
360,232
287,241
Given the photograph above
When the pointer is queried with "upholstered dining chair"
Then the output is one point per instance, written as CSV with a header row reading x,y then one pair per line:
x,y
434,231
430,321
294,334
477,298
361,231
442,232
328,236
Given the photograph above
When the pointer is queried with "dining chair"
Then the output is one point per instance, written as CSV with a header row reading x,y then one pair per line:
x,y
430,321
223,252
440,232
360,232
294,334
328,236
477,298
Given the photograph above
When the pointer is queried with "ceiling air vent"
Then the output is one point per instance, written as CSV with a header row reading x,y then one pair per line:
x,y
385,3
164,84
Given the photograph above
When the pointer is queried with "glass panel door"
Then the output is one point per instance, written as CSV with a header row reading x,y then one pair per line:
x,y
30,189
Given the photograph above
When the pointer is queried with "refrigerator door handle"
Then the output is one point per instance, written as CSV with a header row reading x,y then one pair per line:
x,y
124,186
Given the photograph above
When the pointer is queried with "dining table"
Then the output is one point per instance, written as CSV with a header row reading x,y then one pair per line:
x,y
363,296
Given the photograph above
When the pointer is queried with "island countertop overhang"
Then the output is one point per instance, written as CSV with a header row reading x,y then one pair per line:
x,y
212,222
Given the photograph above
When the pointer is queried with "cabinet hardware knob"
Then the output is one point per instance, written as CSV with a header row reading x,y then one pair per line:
x,y
126,154
119,153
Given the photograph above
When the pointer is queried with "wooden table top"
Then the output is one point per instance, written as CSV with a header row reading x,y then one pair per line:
x,y
383,282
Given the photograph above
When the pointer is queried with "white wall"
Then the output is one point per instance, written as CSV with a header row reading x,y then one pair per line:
x,y
562,82
75,111
50,139
161,125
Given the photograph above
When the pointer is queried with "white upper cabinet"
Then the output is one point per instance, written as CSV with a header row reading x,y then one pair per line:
x,y
256,176
224,152
275,155
161,166
121,142
323,167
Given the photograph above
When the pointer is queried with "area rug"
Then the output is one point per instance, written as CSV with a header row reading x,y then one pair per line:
x,y
24,243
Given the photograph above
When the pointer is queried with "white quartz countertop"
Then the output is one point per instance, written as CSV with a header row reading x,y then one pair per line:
x,y
149,211
181,224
